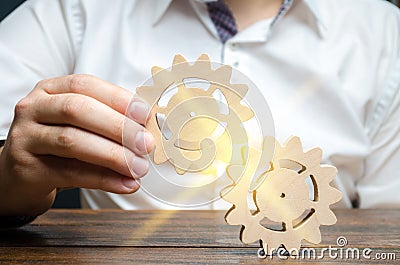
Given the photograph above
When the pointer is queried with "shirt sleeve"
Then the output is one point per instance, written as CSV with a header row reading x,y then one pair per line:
x,y
380,184
36,42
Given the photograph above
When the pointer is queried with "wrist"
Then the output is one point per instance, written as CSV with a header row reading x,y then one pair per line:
x,y
27,205
18,198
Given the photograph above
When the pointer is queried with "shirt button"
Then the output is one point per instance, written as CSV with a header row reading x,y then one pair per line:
x,y
233,46
235,64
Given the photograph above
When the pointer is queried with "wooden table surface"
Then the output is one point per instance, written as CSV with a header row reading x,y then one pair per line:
x,y
180,237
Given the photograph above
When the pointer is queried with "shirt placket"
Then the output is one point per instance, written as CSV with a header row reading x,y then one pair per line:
x,y
231,52
231,49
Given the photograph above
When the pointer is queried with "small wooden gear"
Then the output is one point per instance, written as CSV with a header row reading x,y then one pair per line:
x,y
282,196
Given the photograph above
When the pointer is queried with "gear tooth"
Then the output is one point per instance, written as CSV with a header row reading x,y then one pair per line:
x,y
294,146
229,212
156,69
179,59
147,94
234,172
244,152
223,74
325,216
328,173
292,244
271,242
315,154
314,236
226,191
269,142
203,57
228,195
180,171
294,140
334,195
204,63
247,236
159,156
268,150
245,113
240,89
278,149
233,217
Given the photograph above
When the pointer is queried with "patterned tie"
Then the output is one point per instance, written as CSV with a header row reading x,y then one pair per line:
x,y
223,20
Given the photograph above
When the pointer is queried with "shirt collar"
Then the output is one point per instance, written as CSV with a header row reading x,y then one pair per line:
x,y
311,5
160,9
316,12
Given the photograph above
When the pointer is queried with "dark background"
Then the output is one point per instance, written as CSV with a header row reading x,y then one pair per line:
x,y
6,6
68,198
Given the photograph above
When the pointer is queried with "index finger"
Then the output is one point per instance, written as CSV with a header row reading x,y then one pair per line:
x,y
112,95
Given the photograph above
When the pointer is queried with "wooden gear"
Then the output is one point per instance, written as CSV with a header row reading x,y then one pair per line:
x,y
282,195
192,114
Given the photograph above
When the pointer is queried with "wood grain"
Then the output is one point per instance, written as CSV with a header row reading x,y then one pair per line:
x,y
127,255
180,237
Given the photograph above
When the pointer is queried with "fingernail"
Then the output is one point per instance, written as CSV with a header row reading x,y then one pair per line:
x,y
130,183
139,111
140,166
144,141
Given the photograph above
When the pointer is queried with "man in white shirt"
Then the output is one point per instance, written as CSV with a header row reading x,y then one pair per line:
x,y
330,71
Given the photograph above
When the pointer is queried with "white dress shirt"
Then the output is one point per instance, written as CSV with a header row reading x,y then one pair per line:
x,y
329,70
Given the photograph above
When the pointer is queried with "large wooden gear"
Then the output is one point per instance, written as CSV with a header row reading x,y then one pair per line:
x,y
282,196
192,114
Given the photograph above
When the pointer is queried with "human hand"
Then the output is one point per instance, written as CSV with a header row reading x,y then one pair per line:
x,y
68,133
